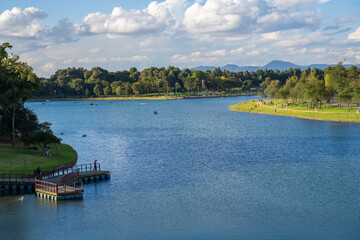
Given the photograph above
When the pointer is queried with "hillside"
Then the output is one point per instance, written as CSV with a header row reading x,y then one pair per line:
x,y
275,64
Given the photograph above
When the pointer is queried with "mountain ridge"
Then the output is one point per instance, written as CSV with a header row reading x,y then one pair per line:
x,y
274,65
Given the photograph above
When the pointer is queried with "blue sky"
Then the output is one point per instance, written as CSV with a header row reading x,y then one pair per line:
x,y
117,35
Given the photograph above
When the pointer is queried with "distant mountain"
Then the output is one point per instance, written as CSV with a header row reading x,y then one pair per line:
x,y
280,65
276,64
204,68
235,68
319,66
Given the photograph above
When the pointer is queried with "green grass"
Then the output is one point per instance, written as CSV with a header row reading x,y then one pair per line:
x,y
17,155
329,113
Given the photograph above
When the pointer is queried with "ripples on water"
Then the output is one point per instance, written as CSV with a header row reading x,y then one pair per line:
x,y
198,171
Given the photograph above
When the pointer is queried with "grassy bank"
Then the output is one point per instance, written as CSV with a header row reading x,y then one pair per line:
x,y
29,159
106,98
279,107
150,96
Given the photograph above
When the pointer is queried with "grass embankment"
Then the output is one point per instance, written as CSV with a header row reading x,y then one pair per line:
x,y
279,107
17,156
132,98
150,96
106,98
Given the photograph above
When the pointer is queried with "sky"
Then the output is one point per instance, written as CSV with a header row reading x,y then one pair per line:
x,y
119,34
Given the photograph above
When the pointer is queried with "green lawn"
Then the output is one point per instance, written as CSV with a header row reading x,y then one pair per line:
x,y
28,159
330,112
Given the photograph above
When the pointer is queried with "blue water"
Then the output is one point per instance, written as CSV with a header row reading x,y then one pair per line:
x,y
197,170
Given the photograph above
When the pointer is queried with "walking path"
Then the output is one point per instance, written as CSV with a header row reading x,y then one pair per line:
x,y
64,183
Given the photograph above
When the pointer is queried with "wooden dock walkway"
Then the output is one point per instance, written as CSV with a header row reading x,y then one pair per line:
x,y
64,183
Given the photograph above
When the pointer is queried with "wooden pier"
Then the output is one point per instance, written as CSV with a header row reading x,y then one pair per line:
x,y
60,184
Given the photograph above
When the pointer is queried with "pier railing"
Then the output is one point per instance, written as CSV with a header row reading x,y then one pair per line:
x,y
88,167
28,175
70,176
16,176
67,188
54,188
46,186
63,171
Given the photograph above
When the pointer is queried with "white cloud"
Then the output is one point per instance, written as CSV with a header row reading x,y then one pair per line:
x,y
21,23
204,56
286,4
92,60
237,51
276,21
358,58
299,40
271,36
114,59
47,67
216,53
68,61
223,15
131,59
244,16
355,35
253,53
146,43
156,17
23,27
180,58
94,50
342,20
63,31
318,50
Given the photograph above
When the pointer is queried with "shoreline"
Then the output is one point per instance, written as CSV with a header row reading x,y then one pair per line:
x,y
133,98
67,158
257,107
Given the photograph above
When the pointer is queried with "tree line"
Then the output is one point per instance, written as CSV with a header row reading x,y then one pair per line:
x,y
97,82
316,86
18,83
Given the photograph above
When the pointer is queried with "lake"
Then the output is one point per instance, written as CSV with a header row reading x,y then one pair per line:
x,y
197,170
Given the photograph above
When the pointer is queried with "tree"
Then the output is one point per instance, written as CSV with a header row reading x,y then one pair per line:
x,y
337,80
177,86
98,90
189,83
25,121
87,92
272,88
315,89
18,82
136,88
43,136
107,90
